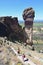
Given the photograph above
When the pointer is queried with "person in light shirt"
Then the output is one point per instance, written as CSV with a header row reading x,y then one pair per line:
x,y
24,58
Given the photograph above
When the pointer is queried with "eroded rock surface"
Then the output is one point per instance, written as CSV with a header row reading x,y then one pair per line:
x,y
28,16
10,27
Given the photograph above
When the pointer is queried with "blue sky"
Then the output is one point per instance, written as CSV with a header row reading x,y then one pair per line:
x,y
16,8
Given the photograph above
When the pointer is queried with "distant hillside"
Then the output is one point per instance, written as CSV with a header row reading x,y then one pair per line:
x,y
36,23
38,20
22,21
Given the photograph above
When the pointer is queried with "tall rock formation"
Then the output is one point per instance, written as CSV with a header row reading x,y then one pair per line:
x,y
28,16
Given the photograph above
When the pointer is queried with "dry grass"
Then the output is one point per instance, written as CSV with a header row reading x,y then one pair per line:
x,y
12,58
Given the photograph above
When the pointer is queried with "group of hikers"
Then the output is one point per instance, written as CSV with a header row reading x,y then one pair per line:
x,y
23,55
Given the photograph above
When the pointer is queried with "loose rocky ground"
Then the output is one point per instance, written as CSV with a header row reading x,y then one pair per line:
x,y
9,54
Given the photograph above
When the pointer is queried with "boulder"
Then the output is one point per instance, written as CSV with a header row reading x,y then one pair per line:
x,y
28,16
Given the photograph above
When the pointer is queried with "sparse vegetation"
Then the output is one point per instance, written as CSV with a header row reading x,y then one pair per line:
x,y
11,57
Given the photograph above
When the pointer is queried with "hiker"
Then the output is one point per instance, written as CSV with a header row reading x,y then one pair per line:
x,y
24,58
33,48
18,50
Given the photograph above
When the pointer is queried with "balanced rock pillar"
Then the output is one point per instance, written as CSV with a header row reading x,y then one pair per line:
x,y
28,16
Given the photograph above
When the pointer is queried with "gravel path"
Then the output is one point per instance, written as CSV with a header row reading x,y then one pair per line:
x,y
20,57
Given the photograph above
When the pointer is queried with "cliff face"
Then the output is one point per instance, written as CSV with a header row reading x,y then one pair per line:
x,y
10,27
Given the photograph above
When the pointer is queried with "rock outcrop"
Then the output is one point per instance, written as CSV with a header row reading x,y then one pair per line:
x,y
10,27
28,16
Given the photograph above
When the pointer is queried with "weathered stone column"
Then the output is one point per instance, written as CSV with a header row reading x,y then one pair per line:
x,y
28,16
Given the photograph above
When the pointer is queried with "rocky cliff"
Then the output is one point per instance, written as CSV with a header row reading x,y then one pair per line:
x,y
10,27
